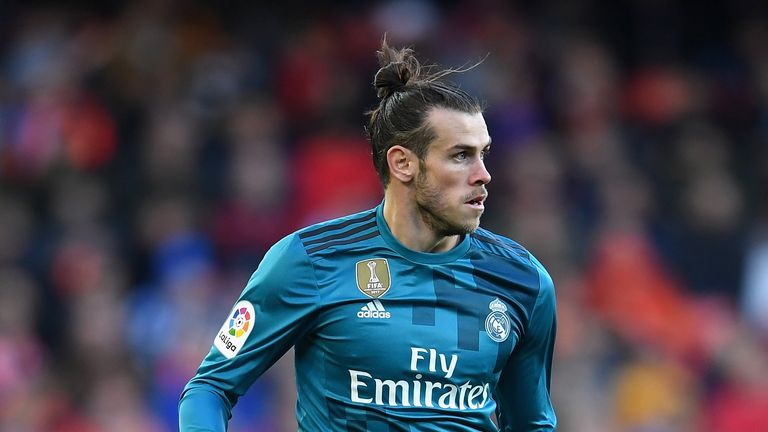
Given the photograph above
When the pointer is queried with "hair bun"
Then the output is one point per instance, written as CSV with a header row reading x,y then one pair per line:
x,y
391,79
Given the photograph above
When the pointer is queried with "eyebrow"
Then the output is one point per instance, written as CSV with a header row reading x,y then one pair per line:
x,y
461,146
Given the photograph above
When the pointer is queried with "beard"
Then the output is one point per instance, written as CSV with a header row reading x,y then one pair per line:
x,y
434,210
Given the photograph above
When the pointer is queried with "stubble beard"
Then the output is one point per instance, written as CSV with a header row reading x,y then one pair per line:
x,y
433,211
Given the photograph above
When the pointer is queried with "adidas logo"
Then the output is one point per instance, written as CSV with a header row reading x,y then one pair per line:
x,y
374,309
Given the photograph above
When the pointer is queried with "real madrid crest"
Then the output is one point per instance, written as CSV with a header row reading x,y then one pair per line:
x,y
497,324
373,277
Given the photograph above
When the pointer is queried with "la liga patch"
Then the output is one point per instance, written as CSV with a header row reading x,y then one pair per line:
x,y
235,329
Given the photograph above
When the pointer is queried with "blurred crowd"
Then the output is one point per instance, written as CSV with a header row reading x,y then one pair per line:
x,y
150,153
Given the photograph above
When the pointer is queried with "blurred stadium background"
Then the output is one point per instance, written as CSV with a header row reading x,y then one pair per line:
x,y
151,151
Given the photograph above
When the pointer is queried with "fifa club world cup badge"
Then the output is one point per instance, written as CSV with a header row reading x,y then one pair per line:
x,y
497,324
373,277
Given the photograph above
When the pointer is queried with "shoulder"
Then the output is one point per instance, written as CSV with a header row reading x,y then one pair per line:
x,y
346,230
496,244
512,252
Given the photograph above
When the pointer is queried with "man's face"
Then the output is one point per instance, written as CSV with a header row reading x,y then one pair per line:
x,y
450,186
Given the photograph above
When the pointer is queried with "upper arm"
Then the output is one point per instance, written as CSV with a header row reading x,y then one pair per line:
x,y
272,313
523,391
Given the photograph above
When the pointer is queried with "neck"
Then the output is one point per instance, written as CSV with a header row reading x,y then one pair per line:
x,y
408,227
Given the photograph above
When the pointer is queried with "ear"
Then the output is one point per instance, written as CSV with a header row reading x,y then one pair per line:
x,y
402,163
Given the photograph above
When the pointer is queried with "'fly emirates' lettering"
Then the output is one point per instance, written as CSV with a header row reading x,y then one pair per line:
x,y
418,392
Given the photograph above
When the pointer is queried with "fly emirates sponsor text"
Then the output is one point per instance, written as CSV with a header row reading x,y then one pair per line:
x,y
419,392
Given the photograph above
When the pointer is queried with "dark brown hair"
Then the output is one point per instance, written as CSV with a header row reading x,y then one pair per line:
x,y
407,94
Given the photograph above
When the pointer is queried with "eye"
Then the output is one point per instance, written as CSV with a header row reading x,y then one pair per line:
x,y
485,153
461,156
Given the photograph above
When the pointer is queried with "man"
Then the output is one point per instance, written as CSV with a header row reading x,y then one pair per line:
x,y
406,317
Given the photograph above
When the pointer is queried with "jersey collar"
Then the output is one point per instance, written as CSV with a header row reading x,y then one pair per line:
x,y
420,257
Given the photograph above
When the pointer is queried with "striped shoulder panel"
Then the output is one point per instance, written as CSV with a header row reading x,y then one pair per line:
x,y
342,231
499,245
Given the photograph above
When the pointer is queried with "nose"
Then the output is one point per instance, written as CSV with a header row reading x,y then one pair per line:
x,y
480,175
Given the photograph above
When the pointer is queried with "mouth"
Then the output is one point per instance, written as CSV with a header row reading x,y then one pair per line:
x,y
477,201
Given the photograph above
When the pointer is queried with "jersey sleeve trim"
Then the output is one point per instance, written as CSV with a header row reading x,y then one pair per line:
x,y
342,242
491,239
336,225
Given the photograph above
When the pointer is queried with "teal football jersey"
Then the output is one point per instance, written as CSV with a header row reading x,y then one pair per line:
x,y
387,338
